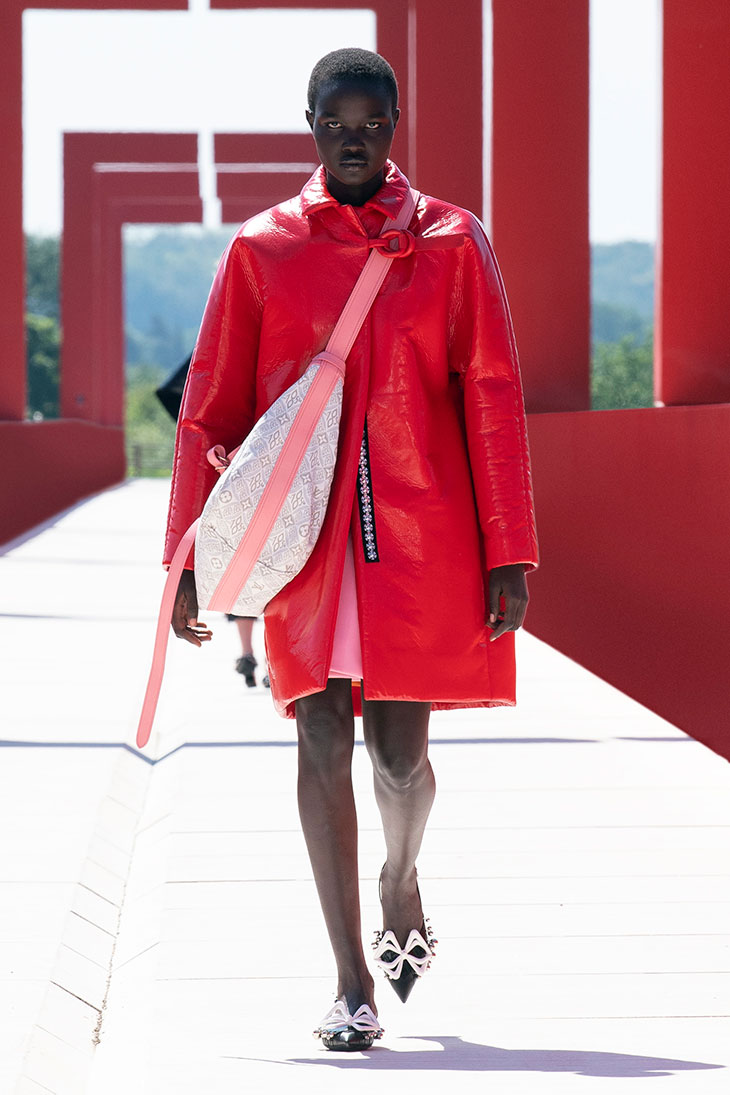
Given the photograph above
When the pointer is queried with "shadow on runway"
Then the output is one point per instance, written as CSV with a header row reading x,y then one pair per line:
x,y
457,1055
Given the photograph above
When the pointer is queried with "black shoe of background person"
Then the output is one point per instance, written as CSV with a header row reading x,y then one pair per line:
x,y
245,666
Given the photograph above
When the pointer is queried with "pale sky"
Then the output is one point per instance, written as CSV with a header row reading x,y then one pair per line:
x,y
203,71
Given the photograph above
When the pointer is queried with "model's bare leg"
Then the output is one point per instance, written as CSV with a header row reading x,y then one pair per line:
x,y
326,730
245,633
396,736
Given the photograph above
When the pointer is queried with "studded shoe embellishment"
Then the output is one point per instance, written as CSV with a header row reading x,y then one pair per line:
x,y
341,1031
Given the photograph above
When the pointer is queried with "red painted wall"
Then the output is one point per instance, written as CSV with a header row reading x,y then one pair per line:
x,y
692,344
633,514
50,465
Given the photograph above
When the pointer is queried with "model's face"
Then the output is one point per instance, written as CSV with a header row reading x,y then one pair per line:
x,y
353,125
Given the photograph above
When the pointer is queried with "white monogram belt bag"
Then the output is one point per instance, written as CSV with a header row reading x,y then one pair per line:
x,y
262,519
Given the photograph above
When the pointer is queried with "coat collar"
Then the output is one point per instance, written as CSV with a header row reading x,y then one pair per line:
x,y
387,200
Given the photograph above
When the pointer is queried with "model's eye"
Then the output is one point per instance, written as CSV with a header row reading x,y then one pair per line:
x,y
333,125
372,125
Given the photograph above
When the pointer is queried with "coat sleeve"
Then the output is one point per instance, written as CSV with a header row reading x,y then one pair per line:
x,y
484,354
219,401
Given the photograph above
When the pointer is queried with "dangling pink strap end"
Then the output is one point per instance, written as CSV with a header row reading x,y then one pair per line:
x,y
177,565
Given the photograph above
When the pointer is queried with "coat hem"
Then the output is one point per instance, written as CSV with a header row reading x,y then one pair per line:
x,y
287,708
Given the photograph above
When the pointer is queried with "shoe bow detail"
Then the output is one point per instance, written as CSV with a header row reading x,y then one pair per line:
x,y
391,957
338,1020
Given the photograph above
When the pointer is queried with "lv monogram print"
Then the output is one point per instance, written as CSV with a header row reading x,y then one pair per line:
x,y
232,502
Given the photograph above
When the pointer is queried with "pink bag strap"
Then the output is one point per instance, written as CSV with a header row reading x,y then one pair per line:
x,y
332,369
368,284
394,241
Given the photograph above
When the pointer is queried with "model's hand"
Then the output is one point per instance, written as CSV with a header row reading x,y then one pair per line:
x,y
185,613
507,582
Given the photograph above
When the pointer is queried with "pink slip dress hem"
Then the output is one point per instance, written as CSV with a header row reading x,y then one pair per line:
x,y
346,651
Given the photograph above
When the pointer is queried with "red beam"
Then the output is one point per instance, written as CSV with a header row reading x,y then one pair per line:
x,y
443,100
391,40
244,194
540,192
100,5
692,347
265,148
247,179
12,252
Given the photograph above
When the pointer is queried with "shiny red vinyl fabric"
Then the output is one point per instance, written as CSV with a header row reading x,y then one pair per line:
x,y
432,477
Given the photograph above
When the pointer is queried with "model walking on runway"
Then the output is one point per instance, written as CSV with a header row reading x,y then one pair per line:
x,y
417,581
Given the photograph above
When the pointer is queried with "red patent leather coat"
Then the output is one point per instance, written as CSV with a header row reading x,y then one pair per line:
x,y
433,377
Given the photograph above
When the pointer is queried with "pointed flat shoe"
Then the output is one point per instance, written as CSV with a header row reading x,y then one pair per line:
x,y
404,965
348,1033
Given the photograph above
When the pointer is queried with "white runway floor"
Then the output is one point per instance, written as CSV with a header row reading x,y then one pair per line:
x,y
159,928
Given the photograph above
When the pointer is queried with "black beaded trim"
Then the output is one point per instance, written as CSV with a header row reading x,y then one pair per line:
x,y
366,503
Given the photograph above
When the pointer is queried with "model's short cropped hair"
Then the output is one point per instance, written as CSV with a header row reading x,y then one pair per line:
x,y
351,64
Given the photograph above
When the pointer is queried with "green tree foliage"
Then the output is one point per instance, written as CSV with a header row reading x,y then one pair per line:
x,y
42,335
622,311
42,347
42,256
622,374
150,431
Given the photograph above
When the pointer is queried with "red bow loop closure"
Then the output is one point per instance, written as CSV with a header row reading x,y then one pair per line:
x,y
404,241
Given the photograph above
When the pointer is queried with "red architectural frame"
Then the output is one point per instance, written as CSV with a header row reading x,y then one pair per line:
x,y
12,262
437,146
117,178
91,373
412,33
250,165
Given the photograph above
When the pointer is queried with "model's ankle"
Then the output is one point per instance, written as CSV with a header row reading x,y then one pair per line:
x,y
356,989
399,879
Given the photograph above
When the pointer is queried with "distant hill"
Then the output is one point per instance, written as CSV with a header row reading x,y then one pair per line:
x,y
623,275
168,275
167,278
622,290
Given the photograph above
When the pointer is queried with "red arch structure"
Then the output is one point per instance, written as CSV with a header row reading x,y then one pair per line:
x,y
103,173
254,165
632,511
115,178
